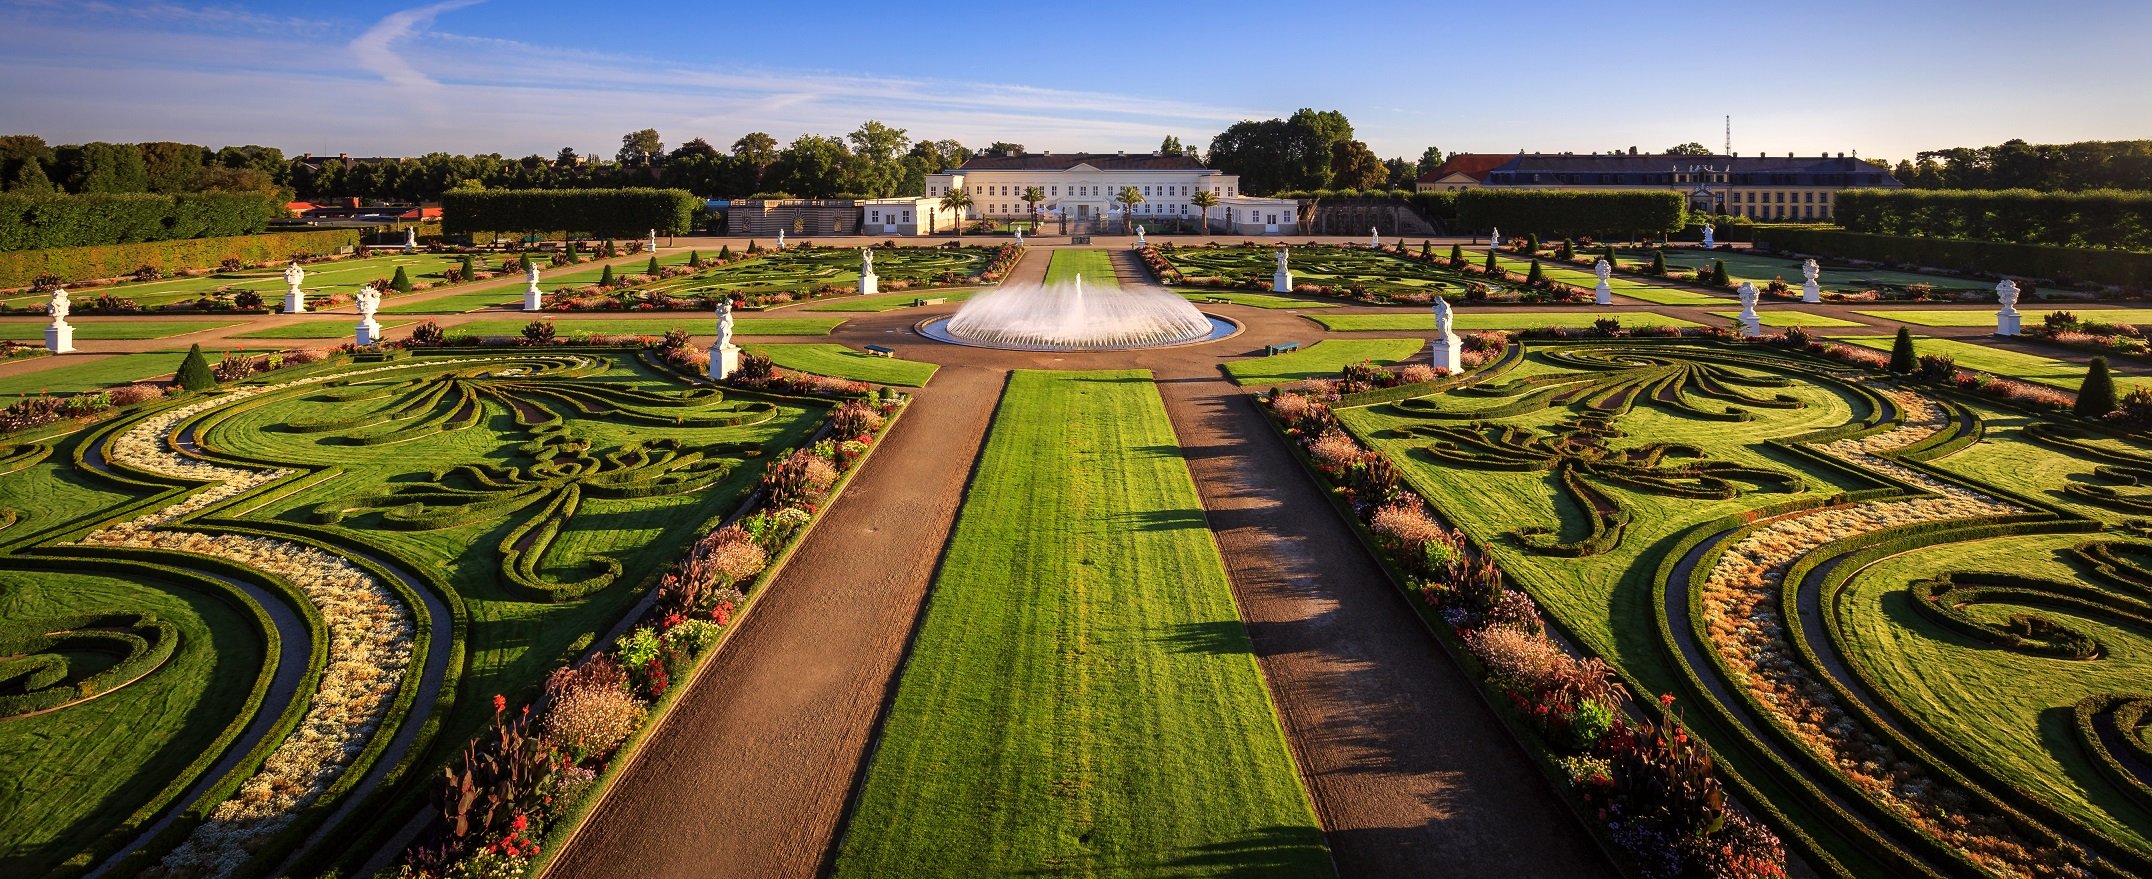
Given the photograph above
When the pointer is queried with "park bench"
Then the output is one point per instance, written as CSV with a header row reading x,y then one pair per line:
x,y
937,300
1280,348
1217,300
881,351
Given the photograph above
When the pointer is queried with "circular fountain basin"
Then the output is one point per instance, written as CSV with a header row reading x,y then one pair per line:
x,y
938,330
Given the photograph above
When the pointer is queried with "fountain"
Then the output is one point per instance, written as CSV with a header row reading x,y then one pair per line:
x,y
1066,317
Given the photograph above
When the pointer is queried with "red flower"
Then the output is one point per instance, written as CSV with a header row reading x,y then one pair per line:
x,y
500,703
1666,699
520,824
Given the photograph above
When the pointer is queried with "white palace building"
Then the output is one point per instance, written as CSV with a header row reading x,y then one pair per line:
x,y
1080,190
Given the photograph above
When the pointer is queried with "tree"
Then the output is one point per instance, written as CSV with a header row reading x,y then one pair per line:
x,y
1204,200
470,267
810,167
17,150
1032,197
958,201
102,167
567,158
1430,159
1536,277
1902,358
1492,267
1692,148
605,279
1281,154
877,147
1402,175
172,167
1003,148
1658,262
194,374
694,259
30,179
1128,198
2096,397
1354,166
401,283
652,269
1457,256
1719,277
640,149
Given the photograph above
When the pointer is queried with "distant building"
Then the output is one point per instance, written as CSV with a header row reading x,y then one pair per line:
x,y
1080,187
1760,187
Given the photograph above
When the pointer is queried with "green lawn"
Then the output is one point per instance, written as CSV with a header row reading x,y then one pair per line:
x,y
324,328
71,373
1383,273
1785,317
1492,319
337,276
124,328
1985,317
1626,286
699,324
890,301
1094,265
1082,698
1762,268
842,362
1324,359
1256,300
460,302
2010,364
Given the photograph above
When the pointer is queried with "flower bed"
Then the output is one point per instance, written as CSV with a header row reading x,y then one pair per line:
x,y
670,290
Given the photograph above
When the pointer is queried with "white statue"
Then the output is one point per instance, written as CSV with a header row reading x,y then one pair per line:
x,y
1449,348
1281,281
652,244
724,356
868,283
780,239
1810,293
1140,243
1443,316
1019,237
410,238
1603,294
724,321
1751,323
294,298
1603,270
866,260
2008,322
1374,238
533,298
369,330
1283,254
1494,238
1708,241
60,336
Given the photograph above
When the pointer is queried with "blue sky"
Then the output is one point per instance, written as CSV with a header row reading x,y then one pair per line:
x,y
1885,78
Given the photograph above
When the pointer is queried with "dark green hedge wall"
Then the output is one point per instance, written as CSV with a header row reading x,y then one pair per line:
x,y
77,264
2107,218
606,213
36,222
1563,213
2068,265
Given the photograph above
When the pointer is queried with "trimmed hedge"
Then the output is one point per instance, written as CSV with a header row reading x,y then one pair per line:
x,y
33,222
2102,218
19,268
1565,213
611,213
2066,265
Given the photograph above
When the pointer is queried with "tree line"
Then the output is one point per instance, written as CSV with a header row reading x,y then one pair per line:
x,y
2047,167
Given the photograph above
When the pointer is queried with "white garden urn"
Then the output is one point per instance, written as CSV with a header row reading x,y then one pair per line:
x,y
294,298
1751,322
60,336
2009,321
368,330
1810,292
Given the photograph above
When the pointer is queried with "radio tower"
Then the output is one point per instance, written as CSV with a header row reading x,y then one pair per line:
x,y
1729,135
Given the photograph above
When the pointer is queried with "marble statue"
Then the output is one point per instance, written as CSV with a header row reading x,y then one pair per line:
x,y
369,301
1603,294
780,239
2009,321
1140,243
652,245
1810,293
868,283
724,356
1374,238
1708,241
410,239
1494,238
1449,348
1281,281
1751,323
294,298
533,298
60,335
1019,237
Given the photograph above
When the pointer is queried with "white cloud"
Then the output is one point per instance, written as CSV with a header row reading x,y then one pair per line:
x,y
374,50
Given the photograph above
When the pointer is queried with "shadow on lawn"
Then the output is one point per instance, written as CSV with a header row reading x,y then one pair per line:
x,y
1217,637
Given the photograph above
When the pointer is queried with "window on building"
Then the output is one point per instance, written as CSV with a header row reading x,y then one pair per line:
x,y
907,217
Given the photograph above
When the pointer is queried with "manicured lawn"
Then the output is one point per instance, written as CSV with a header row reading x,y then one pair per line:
x,y
124,328
1786,317
1095,266
1321,360
699,324
1623,285
324,328
1256,300
337,276
1760,268
797,270
842,362
1325,266
1493,319
1082,698
1985,317
460,302
890,301
2010,364
72,373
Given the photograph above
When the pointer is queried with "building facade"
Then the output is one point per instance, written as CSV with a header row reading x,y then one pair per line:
x,y
1079,189
1760,187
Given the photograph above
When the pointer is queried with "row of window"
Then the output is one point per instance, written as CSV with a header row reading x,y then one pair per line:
x,y
874,215
1054,190
1781,212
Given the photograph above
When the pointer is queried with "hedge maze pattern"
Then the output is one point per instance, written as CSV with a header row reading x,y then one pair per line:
x,y
1341,268
1768,596
333,513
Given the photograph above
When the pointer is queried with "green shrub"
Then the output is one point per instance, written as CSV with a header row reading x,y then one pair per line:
x,y
1719,277
652,268
76,264
2096,397
1902,359
40,221
1537,277
2107,219
402,282
1658,262
605,279
194,374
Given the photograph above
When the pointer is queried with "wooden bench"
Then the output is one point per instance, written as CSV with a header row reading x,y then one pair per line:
x,y
937,300
1280,348
882,351
1216,300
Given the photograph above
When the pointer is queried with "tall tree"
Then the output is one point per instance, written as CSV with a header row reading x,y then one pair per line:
x,y
876,149
30,179
1171,145
1204,200
959,202
1128,198
1354,166
1692,148
102,167
1032,197
640,149
1004,148
812,166
18,148
1281,154
1430,159
1403,174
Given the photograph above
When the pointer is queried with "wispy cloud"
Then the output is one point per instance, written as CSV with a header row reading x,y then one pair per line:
x,y
375,50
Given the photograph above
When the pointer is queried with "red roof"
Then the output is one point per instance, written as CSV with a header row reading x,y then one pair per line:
x,y
421,213
1473,165
298,206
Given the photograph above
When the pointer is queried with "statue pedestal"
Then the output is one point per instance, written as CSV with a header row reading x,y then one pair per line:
x,y
869,284
534,299
368,332
1603,294
724,361
294,301
60,337
1751,325
2008,322
1281,282
1810,293
1449,354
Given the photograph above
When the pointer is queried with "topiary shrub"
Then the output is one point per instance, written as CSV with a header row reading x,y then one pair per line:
x,y
194,373
652,268
2096,397
1719,277
1902,359
1658,262
1536,277
401,283
605,279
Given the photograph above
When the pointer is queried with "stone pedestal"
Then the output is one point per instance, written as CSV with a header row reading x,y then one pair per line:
x,y
1449,354
869,284
1603,294
1751,324
1810,293
724,361
60,337
2008,322
1281,282
294,301
533,298
368,332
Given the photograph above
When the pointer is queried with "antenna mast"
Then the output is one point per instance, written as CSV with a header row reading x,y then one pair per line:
x,y
1729,135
